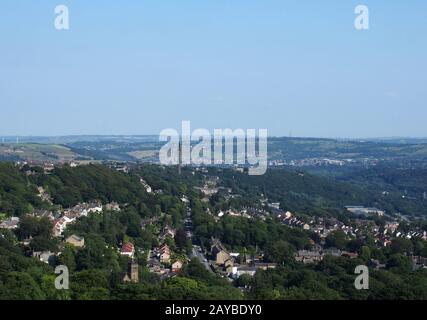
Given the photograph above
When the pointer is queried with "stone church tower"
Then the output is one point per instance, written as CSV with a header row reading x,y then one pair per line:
x,y
133,271
132,275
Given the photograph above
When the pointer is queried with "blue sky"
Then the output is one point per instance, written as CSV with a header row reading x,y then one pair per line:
x,y
137,67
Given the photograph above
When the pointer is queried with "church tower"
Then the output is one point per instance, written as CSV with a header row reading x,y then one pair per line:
x,y
134,276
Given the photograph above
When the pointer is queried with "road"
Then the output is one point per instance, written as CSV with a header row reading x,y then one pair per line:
x,y
201,257
196,252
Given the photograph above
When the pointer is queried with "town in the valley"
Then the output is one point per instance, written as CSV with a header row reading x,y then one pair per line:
x,y
166,262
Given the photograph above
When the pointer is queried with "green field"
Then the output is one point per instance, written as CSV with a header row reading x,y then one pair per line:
x,y
37,152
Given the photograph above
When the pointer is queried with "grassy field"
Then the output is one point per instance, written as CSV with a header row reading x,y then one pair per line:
x,y
142,154
37,152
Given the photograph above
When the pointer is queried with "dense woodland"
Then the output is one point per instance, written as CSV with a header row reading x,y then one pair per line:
x,y
314,194
96,270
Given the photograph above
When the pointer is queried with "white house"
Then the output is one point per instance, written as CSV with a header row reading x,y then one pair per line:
x,y
10,224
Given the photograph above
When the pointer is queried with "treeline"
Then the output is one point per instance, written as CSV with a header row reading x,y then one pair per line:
x,y
296,191
308,194
334,279
168,179
17,194
69,186
411,183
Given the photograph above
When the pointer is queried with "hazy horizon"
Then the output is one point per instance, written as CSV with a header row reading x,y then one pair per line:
x,y
157,135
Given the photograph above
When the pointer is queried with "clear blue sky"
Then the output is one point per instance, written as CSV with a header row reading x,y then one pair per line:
x,y
137,67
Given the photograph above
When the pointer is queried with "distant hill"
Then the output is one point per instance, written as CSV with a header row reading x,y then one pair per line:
x,y
36,152
145,148
299,148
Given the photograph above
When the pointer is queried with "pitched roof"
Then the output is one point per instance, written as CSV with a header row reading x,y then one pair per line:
x,y
74,237
128,247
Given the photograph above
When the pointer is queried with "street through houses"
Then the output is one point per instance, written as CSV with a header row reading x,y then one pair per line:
x,y
196,249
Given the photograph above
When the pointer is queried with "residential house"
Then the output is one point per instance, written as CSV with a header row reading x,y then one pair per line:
x,y
244,270
165,254
113,206
332,252
44,214
391,227
376,264
419,263
351,255
122,168
128,249
265,265
146,186
219,252
60,224
176,266
44,256
362,211
231,270
95,207
308,257
154,265
10,224
167,232
229,262
83,209
288,215
76,241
